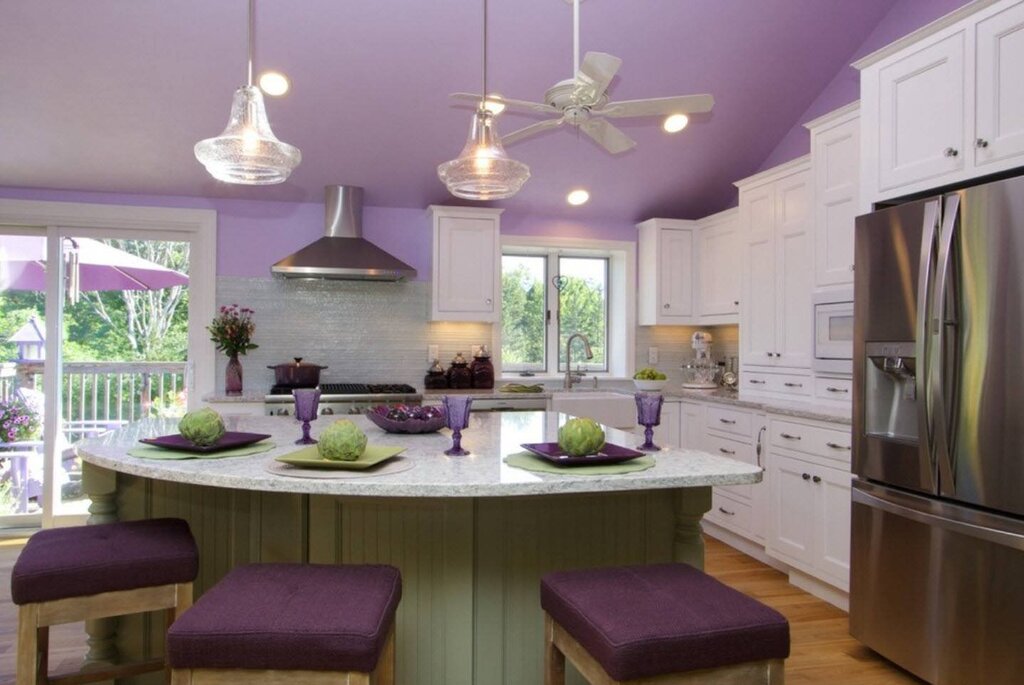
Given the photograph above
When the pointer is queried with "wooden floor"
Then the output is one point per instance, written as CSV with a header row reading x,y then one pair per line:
x,y
822,651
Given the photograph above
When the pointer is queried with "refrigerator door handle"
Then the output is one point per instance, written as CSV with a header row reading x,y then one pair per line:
x,y
943,397
932,216
907,508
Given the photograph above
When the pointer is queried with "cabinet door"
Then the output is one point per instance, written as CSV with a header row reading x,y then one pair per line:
x,y
691,425
999,103
921,108
757,303
466,267
719,291
676,277
792,504
794,273
836,181
833,558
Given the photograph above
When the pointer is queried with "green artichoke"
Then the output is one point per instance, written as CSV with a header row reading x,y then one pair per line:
x,y
203,427
581,437
342,441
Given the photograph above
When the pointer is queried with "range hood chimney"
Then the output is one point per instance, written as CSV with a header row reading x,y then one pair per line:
x,y
343,253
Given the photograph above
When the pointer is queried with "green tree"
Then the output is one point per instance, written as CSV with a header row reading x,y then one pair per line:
x,y
582,310
522,322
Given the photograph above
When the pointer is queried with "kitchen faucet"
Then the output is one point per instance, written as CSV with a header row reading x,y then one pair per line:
x,y
570,377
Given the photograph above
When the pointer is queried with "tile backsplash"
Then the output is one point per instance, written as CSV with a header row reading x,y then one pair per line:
x,y
673,343
363,332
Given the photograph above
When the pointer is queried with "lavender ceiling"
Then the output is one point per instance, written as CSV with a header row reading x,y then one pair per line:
x,y
108,95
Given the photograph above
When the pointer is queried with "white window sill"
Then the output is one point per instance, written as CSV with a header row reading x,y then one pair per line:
x,y
549,378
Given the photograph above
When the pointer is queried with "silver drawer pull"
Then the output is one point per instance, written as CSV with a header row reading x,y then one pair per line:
x,y
794,385
837,446
729,421
787,436
725,451
726,512
834,389
756,381
816,479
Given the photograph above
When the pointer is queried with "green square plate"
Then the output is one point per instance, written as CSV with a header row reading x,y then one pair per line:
x,y
309,458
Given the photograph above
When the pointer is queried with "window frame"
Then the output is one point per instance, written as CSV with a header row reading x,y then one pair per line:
x,y
554,342
528,368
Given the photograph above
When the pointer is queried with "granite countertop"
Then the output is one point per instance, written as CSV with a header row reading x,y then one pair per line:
x,y
489,437
247,396
488,394
798,410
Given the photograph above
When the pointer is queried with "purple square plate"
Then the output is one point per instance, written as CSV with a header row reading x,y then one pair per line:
x,y
609,454
229,440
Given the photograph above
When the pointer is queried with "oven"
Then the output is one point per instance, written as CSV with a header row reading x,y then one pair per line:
x,y
833,331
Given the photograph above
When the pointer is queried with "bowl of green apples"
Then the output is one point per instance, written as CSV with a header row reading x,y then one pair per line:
x,y
650,380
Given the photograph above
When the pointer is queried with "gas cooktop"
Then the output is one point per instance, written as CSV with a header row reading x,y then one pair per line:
x,y
353,389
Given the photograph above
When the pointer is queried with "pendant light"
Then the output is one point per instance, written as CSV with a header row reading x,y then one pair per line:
x,y
483,171
247,151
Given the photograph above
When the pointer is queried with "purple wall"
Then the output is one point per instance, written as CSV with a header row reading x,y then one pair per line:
x,y
252,235
905,17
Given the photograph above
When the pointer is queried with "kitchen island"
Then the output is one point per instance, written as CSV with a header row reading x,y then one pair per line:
x,y
471,535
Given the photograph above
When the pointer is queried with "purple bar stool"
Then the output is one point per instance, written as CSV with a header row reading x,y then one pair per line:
x,y
665,623
74,574
266,624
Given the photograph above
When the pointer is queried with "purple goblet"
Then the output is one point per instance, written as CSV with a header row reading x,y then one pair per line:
x,y
648,415
306,402
456,409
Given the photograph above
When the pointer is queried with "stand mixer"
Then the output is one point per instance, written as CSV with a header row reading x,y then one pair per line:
x,y
702,372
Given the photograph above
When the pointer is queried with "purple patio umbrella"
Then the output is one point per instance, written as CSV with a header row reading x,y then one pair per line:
x,y
92,265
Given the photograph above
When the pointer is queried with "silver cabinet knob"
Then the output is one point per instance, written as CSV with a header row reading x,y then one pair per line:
x,y
667,305
816,479
736,303
980,143
805,476
488,300
768,353
326,411
951,152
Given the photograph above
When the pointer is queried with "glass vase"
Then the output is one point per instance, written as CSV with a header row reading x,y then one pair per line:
x,y
233,376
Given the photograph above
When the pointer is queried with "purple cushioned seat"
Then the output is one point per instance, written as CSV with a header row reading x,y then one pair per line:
x,y
289,617
643,621
87,560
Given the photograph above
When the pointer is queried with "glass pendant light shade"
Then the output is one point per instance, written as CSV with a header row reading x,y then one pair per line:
x,y
482,170
247,151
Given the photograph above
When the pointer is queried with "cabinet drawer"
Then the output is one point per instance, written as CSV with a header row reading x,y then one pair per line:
x,y
732,449
729,513
834,389
790,385
821,442
728,420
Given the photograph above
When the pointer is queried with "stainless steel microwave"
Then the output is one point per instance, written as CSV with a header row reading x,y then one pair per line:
x,y
833,331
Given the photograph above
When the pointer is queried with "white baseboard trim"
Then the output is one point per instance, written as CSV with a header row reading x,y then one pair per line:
x,y
820,589
745,545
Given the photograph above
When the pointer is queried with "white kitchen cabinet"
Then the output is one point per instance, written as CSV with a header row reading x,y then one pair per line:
x,y
809,491
944,104
691,425
777,267
466,264
835,161
718,247
665,290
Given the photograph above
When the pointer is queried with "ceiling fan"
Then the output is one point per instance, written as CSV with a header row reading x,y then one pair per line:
x,y
582,102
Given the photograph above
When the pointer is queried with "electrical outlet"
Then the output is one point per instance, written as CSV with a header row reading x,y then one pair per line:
x,y
432,353
652,355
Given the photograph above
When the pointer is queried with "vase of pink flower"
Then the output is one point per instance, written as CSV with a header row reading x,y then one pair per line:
x,y
18,421
231,330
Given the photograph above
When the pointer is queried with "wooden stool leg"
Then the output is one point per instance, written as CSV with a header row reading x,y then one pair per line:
x,y
554,660
28,646
384,674
43,649
183,601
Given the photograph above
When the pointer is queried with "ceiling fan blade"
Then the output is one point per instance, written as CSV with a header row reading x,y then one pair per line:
x,y
524,105
531,130
595,74
680,104
607,136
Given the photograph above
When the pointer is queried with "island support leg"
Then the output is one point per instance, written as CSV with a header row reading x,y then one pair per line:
x,y
101,486
687,544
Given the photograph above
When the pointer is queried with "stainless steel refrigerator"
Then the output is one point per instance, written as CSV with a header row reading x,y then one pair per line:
x,y
937,558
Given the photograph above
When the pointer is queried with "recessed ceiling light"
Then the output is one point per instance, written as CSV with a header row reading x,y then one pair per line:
x,y
675,123
274,83
577,197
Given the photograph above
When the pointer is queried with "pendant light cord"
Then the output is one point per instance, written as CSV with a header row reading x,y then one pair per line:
x,y
251,10
483,93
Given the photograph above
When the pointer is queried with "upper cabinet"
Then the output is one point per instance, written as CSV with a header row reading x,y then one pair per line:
x,y
718,291
467,264
835,160
666,254
944,104
777,267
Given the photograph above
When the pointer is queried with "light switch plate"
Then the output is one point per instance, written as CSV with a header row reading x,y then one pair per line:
x,y
652,355
432,353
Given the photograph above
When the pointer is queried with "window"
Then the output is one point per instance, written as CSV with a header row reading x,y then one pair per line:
x,y
546,298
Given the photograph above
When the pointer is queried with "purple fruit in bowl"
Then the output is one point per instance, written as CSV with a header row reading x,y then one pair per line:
x,y
432,412
416,413
397,414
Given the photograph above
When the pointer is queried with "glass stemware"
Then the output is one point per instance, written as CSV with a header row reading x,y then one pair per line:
x,y
456,408
306,402
648,415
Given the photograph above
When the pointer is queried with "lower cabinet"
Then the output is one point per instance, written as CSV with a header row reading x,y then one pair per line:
x,y
809,522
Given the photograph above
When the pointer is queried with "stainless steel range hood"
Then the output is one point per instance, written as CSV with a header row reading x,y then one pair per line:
x,y
343,253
